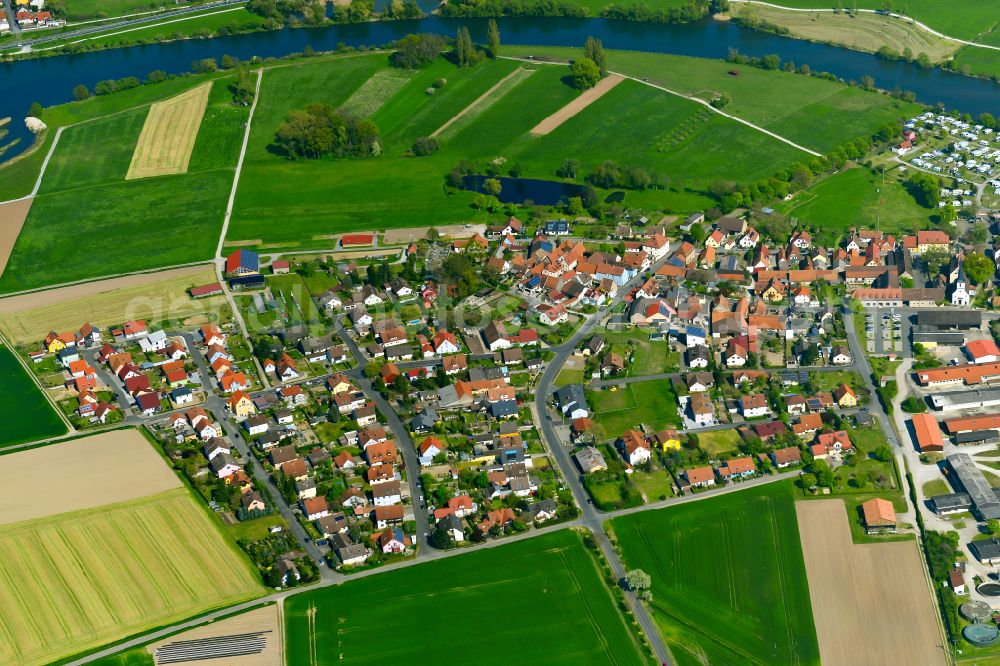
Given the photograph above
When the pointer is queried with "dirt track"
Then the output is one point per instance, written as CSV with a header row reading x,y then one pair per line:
x,y
80,474
585,99
12,217
870,602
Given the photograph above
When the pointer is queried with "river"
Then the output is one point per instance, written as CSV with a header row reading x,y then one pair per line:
x,y
51,80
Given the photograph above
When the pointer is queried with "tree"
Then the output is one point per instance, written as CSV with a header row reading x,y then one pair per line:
x,y
244,87
424,145
35,110
463,47
492,186
979,267
883,453
204,66
228,61
637,580
584,73
934,259
868,82
948,214
415,51
442,538
568,169
80,93
593,49
810,355
914,405
979,233
993,526
720,101
493,38
924,188
433,234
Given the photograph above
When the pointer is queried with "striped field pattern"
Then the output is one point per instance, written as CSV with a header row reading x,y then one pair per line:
x,y
74,581
168,135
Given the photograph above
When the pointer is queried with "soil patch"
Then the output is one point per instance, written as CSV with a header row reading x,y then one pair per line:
x,y
265,620
586,98
412,234
81,474
871,602
12,217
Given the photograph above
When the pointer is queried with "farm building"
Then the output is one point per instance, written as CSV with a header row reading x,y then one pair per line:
x,y
879,516
984,500
928,433
972,399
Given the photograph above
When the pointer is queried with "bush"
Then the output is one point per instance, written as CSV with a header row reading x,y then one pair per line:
x,y
425,145
584,73
914,405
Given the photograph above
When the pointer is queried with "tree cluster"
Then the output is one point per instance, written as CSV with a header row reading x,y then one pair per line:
x,y
693,10
415,51
490,8
319,130
609,174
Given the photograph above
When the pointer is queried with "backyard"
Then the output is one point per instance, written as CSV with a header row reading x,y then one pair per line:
x,y
651,403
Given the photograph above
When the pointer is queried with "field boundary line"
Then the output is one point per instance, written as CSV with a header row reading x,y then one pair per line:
x,y
102,278
479,100
693,99
908,19
239,165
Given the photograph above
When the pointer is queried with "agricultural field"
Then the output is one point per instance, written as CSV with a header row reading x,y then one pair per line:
x,y
548,588
652,403
728,577
812,112
79,10
965,19
26,414
863,32
83,196
980,62
857,197
871,602
118,548
155,297
169,134
482,114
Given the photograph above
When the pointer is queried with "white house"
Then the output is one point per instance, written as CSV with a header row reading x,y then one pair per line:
x,y
154,342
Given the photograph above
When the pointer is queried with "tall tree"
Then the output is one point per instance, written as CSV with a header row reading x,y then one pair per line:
x,y
594,50
493,37
463,47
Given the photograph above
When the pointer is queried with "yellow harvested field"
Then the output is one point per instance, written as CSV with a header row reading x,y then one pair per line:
x,y
72,582
80,474
871,602
862,32
152,296
586,98
266,621
168,135
12,217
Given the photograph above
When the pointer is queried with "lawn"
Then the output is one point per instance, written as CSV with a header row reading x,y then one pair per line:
x,y
813,112
134,657
719,441
78,10
76,581
728,578
858,197
650,356
26,414
546,593
652,403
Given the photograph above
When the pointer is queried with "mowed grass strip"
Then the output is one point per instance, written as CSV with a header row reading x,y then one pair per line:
x,y
374,92
168,135
586,98
26,414
71,582
545,596
728,577
484,101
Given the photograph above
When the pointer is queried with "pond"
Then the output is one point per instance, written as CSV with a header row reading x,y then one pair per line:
x,y
519,190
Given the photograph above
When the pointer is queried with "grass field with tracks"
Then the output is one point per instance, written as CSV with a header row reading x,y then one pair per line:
x,y
26,414
728,578
71,582
545,595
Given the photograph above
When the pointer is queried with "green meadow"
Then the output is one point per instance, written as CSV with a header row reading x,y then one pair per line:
x,y
728,577
545,595
681,141
26,414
